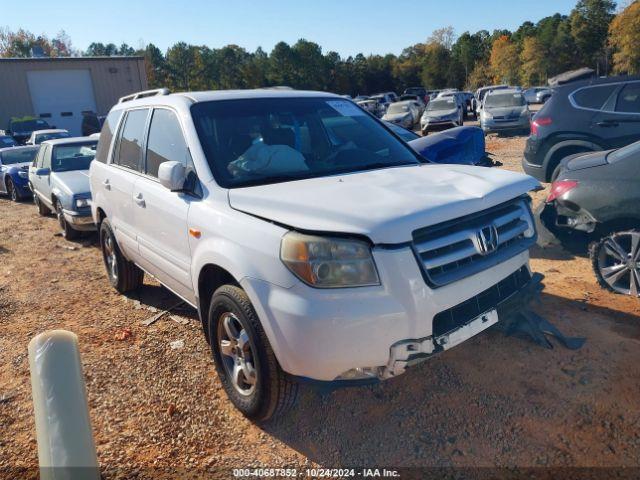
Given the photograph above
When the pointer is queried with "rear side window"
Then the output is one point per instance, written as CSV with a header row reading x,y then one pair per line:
x,y
107,134
130,144
593,97
629,99
166,142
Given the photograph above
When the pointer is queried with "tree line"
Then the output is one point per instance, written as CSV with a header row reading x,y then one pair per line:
x,y
592,35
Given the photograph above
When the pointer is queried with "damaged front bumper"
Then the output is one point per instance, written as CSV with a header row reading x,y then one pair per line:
x,y
567,215
407,353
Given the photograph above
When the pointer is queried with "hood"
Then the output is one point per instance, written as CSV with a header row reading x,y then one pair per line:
x,y
580,161
440,113
505,111
73,182
18,166
385,205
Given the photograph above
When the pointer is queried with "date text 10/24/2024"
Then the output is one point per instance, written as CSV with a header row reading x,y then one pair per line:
x,y
316,473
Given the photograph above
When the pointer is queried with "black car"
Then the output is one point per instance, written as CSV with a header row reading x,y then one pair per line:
x,y
582,116
21,128
420,91
598,193
91,123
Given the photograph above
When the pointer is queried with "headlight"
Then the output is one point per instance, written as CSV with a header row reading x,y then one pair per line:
x,y
487,115
325,262
23,174
83,202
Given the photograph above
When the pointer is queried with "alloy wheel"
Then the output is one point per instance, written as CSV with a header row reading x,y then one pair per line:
x,y
619,262
60,215
237,355
110,259
11,190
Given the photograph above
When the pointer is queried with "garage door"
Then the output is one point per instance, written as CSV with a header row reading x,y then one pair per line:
x,y
60,96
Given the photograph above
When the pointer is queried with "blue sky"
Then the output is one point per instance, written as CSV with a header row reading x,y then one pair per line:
x,y
346,26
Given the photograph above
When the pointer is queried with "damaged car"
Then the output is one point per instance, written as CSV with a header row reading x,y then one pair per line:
x,y
597,194
316,245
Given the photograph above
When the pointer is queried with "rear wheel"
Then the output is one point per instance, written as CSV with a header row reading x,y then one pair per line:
x,y
616,262
68,232
244,360
123,275
43,210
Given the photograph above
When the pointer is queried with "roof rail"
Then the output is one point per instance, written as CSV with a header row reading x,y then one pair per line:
x,y
144,94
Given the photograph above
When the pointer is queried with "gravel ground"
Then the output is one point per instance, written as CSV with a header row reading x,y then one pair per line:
x,y
494,401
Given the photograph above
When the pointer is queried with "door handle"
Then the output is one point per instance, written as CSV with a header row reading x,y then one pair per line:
x,y
106,184
139,199
608,123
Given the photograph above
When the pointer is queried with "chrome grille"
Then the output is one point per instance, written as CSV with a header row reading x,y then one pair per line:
x,y
462,247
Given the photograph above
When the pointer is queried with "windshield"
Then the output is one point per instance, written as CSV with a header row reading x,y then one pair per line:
x,y
28,125
42,137
7,142
66,158
270,140
441,104
499,100
398,108
18,155
624,153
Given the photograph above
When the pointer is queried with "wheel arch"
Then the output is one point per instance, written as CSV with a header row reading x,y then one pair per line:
x,y
563,149
616,225
210,278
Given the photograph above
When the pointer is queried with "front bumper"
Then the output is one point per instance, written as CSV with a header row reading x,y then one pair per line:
x,y
558,215
492,125
80,221
22,187
322,334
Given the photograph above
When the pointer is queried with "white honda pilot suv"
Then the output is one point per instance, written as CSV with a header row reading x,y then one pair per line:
x,y
316,245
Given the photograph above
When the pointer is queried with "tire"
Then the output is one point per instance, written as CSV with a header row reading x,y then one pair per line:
x,y
68,232
555,174
238,344
43,210
11,191
123,275
615,262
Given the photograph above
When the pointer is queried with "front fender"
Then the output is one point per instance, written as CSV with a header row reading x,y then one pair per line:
x,y
62,196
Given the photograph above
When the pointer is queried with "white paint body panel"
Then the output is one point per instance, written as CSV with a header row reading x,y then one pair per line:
x,y
385,205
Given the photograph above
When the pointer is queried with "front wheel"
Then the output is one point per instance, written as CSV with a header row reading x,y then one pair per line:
x,y
68,232
616,262
123,275
11,190
244,360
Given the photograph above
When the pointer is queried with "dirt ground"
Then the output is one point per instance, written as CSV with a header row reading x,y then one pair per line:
x,y
494,401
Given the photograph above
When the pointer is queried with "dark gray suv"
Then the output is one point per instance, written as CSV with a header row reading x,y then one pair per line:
x,y
583,116
599,193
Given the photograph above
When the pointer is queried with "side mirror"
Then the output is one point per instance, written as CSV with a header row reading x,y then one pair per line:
x,y
172,175
43,172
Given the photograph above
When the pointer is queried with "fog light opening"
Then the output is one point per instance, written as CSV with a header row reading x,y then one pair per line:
x,y
361,373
